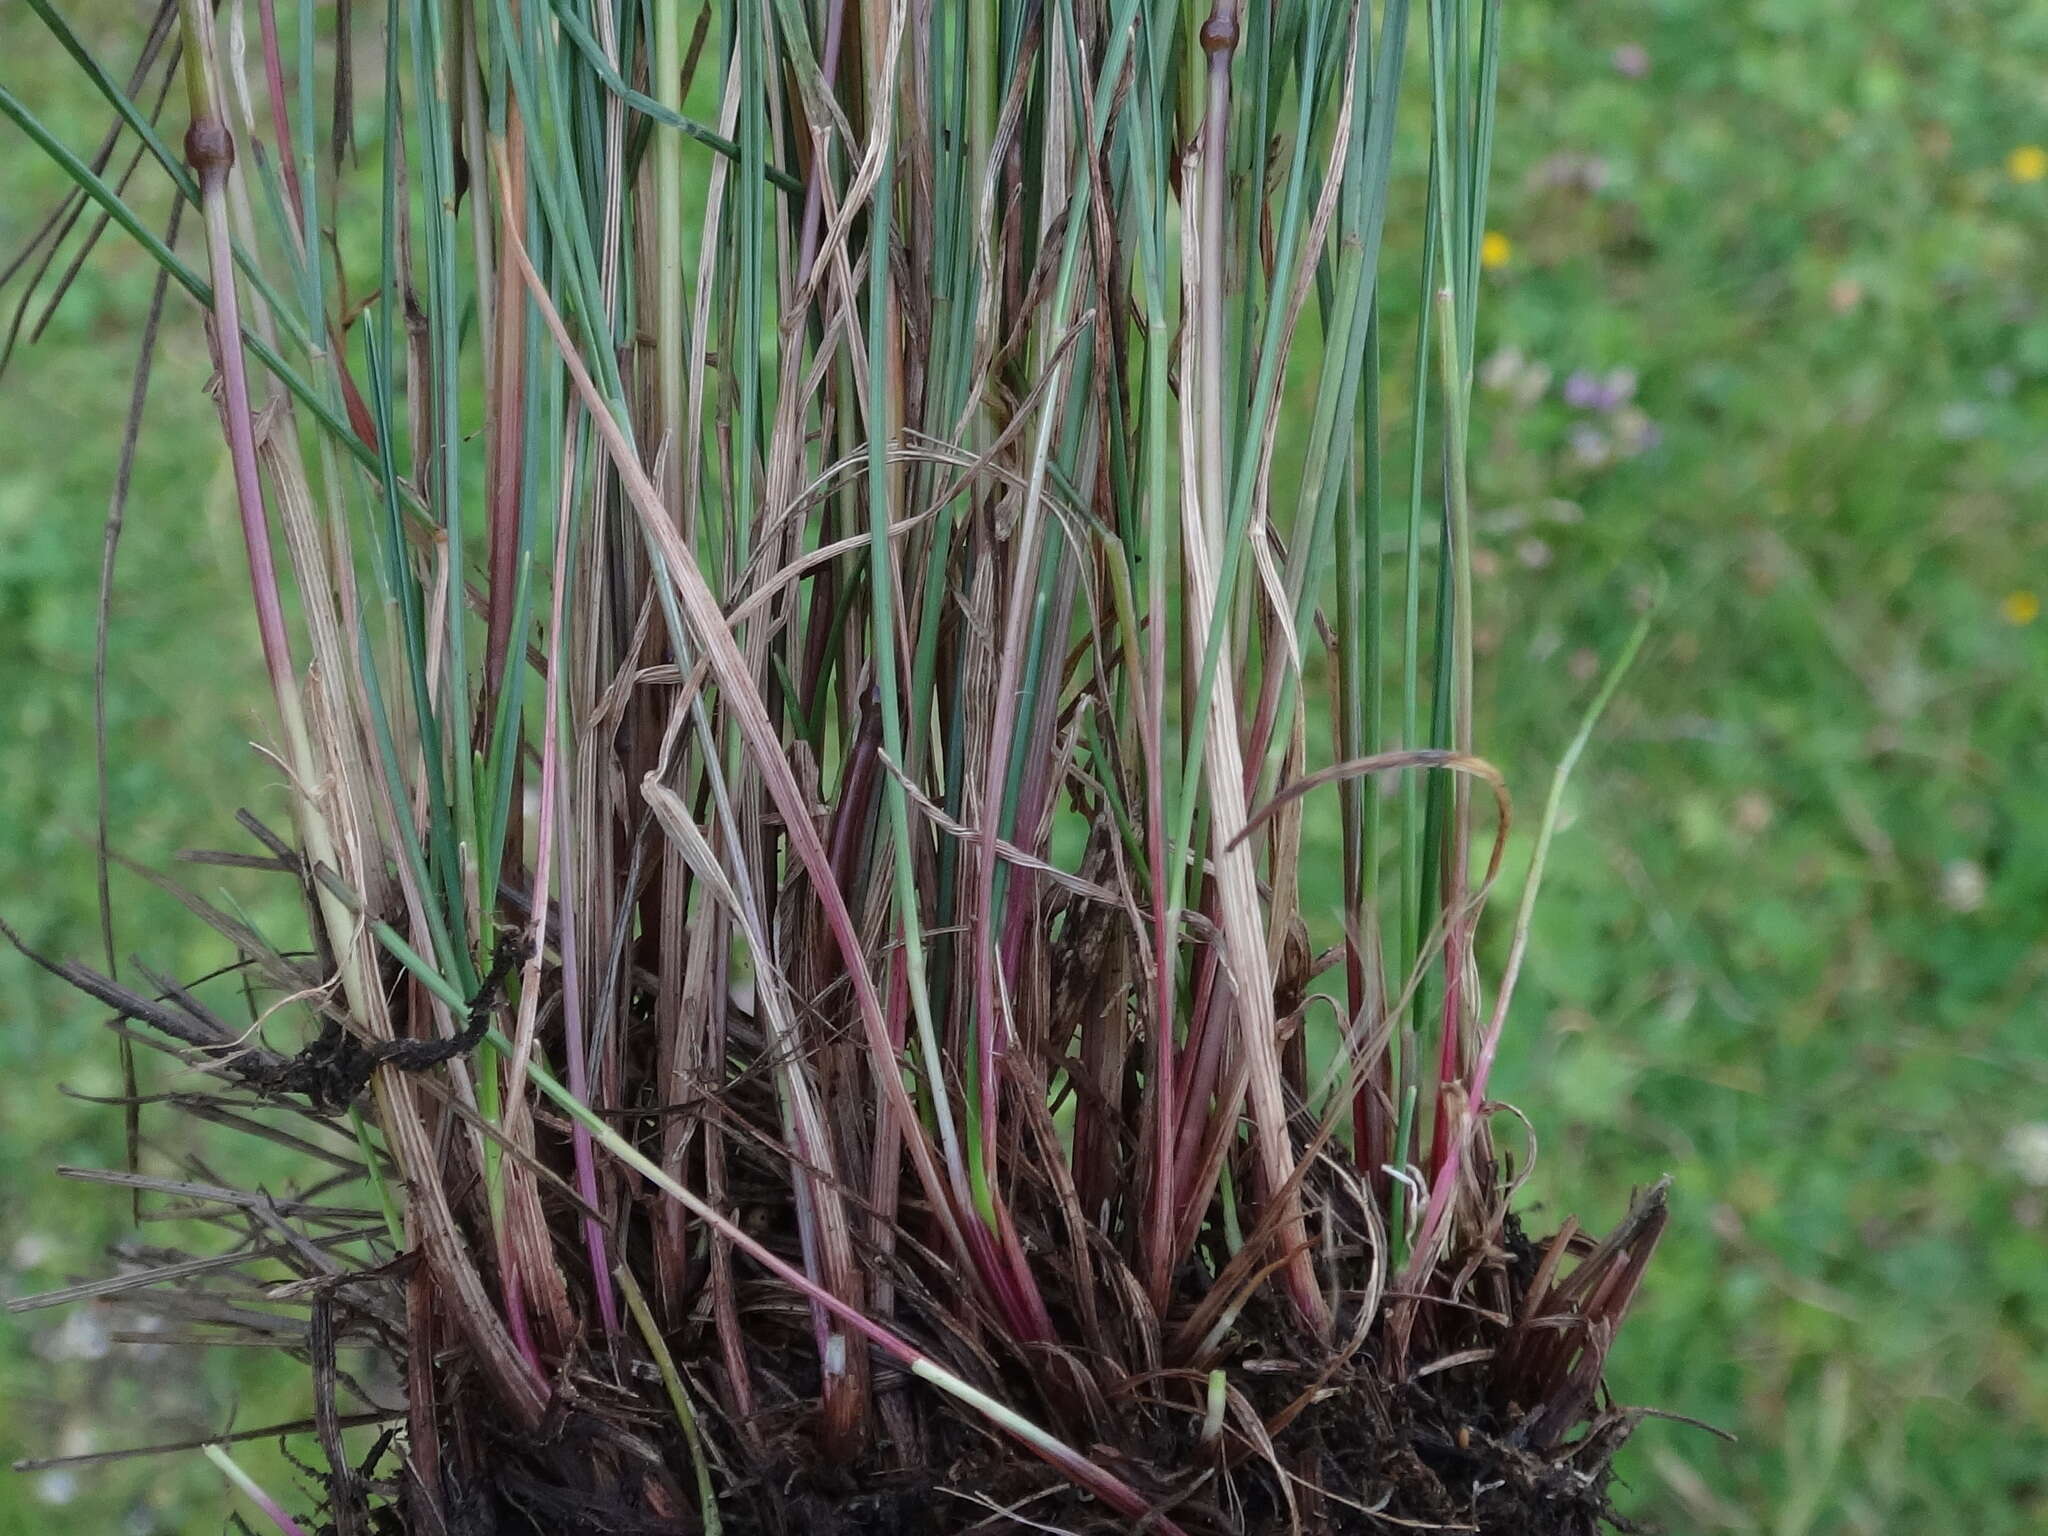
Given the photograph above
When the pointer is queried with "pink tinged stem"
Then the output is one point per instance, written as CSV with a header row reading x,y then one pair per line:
x,y
886,1159
997,1274
1203,1058
855,801
1036,1321
1160,1202
280,119
210,151
1037,789
254,1492
1449,1061
515,1310
1456,1116
995,955
579,1138
553,818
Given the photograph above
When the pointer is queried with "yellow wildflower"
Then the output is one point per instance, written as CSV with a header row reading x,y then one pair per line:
x,y
1495,250
2029,162
2020,607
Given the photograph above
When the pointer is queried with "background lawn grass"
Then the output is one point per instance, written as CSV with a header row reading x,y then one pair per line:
x,y
1766,313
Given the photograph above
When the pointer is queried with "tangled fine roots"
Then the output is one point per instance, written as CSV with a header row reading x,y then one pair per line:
x,y
1444,1452
1499,1425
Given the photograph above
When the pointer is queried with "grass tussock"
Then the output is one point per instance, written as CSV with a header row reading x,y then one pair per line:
x,y
819,564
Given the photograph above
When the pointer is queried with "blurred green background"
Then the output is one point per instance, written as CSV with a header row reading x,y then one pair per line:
x,y
1768,312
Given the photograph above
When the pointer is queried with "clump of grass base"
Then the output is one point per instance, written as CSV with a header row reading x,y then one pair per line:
x,y
836,551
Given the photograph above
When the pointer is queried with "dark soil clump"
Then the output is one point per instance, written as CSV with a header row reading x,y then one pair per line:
x,y
1498,1428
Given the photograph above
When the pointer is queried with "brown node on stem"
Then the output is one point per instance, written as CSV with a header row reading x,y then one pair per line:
x,y
1219,32
209,147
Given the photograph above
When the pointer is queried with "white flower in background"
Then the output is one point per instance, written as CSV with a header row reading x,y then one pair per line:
x,y
30,1250
2027,1148
1589,446
81,1336
1502,369
1512,372
60,1485
1963,885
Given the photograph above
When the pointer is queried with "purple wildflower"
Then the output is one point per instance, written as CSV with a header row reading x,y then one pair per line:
x,y
1582,391
1609,391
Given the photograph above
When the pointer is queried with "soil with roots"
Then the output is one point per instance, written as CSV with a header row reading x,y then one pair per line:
x,y
1445,1450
